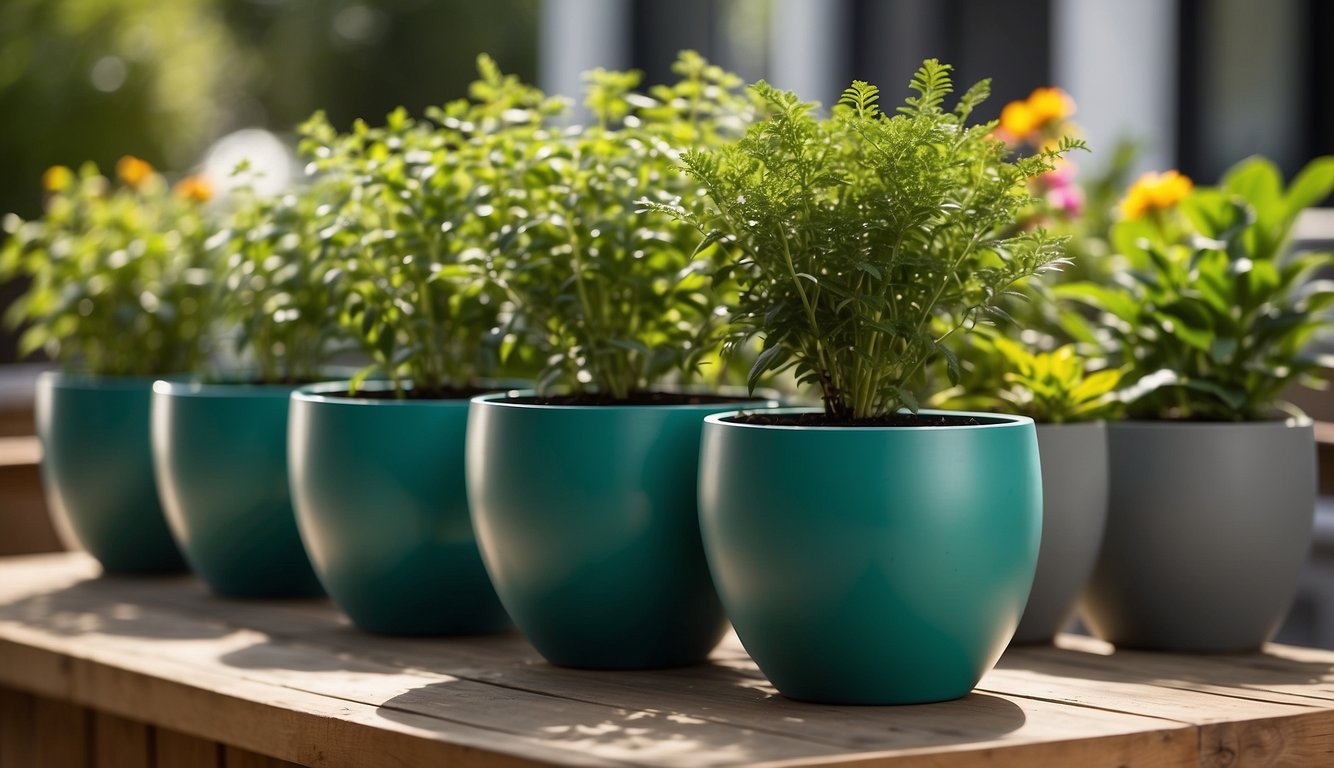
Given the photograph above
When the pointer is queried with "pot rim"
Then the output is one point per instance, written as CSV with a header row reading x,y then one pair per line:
x,y
319,393
1005,421
749,402
1285,422
168,388
93,381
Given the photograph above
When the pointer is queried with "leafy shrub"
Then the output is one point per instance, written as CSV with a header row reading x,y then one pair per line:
x,y
414,285
614,298
276,260
864,240
1053,387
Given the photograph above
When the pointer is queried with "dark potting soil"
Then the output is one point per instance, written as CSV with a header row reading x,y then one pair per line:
x,y
895,420
635,398
443,393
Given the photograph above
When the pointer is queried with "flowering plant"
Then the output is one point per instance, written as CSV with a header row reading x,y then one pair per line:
x,y
1213,316
120,274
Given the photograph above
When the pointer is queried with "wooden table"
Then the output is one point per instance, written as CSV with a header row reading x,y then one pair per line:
x,y
157,672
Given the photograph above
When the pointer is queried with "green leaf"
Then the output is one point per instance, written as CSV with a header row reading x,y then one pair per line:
x,y
767,360
1312,186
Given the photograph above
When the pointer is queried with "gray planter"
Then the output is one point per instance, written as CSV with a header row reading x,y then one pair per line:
x,y
1207,529
1074,508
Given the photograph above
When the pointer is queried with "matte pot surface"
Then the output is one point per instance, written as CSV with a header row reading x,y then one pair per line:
x,y
872,565
1208,525
378,488
587,522
1074,512
97,470
220,456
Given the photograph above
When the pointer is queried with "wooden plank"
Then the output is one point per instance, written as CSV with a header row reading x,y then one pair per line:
x,y
1304,740
1149,750
17,451
61,733
240,758
511,663
290,679
647,709
305,728
173,748
17,747
119,742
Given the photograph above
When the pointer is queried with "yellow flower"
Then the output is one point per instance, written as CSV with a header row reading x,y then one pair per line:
x,y
1155,192
196,189
1050,104
57,178
1017,120
133,171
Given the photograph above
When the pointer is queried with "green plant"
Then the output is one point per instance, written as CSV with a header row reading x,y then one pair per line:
x,y
1213,316
120,277
865,240
415,285
1052,387
276,267
613,296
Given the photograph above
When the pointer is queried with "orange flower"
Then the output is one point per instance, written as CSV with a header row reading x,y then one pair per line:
x,y
1017,120
57,178
196,189
1155,192
133,171
1050,104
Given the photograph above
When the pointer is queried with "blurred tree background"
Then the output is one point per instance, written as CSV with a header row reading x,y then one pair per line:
x,y
162,79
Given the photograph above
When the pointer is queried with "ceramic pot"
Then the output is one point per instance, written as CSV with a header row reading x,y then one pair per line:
x,y
587,522
220,458
97,470
379,494
1208,525
1074,510
872,565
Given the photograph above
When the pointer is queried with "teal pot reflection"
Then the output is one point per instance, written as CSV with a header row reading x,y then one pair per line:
x,y
587,521
1208,526
1074,510
378,488
97,470
872,565
220,457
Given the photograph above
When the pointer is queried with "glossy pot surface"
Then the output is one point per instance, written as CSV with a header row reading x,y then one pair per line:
x,y
97,470
220,455
378,488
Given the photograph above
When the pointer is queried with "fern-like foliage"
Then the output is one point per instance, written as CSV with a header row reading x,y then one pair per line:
x,y
933,83
864,239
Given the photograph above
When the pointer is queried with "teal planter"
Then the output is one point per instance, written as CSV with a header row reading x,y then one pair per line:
x,y
872,565
587,522
378,488
220,456
97,470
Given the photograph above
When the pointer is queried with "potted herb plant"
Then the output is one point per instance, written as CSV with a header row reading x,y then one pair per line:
x,y
220,445
377,466
582,493
868,552
118,297
1212,478
1069,404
